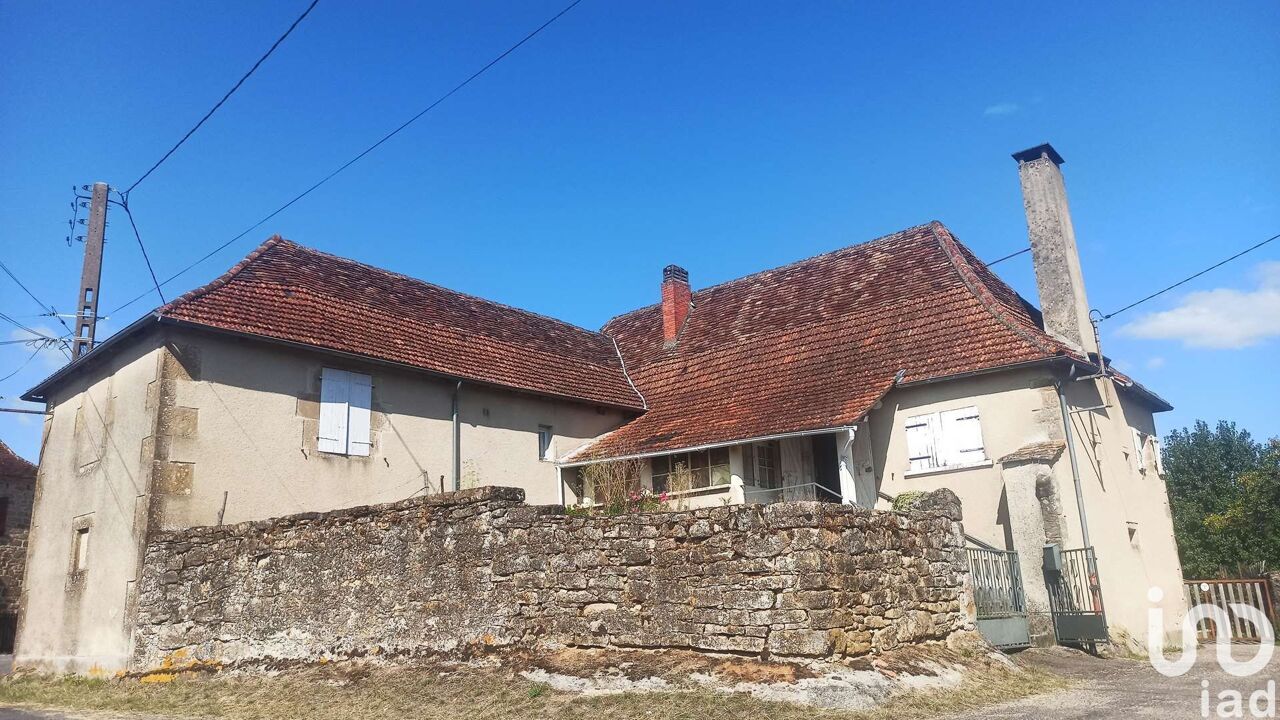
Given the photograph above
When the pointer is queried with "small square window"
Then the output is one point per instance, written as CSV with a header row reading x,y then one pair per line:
x,y
545,435
80,550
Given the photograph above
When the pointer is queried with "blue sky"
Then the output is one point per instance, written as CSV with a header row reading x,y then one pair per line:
x,y
726,137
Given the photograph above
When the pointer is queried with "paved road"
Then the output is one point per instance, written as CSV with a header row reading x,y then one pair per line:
x,y
1130,689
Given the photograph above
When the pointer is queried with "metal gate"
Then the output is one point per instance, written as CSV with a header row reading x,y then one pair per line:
x,y
1075,595
1224,593
998,594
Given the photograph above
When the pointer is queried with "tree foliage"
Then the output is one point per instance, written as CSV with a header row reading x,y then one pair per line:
x,y
1224,490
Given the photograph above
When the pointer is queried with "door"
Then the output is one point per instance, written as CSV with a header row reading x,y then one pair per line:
x,y
826,468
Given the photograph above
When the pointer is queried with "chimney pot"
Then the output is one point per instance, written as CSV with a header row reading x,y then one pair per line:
x,y
677,299
1059,280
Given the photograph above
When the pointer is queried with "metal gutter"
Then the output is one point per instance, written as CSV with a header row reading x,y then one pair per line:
x,y
708,446
163,320
1075,464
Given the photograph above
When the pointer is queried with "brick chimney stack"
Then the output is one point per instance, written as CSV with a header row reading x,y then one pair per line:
x,y
677,299
1053,248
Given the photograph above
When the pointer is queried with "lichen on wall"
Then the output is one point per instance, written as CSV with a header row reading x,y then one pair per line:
x,y
478,570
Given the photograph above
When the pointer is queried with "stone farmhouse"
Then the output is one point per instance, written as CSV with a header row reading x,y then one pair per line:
x,y
17,493
303,382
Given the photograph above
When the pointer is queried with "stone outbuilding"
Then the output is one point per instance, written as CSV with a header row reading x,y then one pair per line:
x,y
17,494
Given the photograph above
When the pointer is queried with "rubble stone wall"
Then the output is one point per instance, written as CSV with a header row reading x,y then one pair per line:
x,y
465,572
19,494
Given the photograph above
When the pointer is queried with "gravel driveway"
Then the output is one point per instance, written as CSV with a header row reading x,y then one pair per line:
x,y
1129,688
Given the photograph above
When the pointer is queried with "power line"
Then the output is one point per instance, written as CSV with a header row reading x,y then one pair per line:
x,y
364,152
125,205
230,92
1010,255
1189,279
53,312
41,345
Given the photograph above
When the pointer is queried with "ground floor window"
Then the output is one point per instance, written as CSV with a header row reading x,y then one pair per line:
x,y
761,464
691,470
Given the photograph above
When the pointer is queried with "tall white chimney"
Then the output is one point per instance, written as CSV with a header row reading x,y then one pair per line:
x,y
1053,248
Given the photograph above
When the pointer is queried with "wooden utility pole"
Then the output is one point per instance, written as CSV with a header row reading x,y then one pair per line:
x,y
91,276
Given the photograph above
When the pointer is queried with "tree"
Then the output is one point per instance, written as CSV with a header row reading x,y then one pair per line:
x,y
1224,491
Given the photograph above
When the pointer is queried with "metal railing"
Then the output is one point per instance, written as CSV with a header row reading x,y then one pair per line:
x,y
796,492
1077,589
997,583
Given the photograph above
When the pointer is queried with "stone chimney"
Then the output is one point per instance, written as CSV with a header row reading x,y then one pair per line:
x,y
1053,248
677,298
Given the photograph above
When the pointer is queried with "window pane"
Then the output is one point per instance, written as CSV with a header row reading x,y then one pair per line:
x,y
720,456
659,483
661,465
700,478
720,475
698,460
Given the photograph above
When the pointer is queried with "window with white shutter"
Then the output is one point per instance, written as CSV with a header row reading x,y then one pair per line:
x,y
921,442
951,438
1139,450
962,437
1155,449
345,404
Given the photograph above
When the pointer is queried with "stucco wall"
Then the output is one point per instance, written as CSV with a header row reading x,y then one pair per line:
x,y
257,412
183,428
1019,408
476,570
92,474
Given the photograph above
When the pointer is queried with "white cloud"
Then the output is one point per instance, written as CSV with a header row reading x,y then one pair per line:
x,y
1155,363
49,356
1224,318
1002,108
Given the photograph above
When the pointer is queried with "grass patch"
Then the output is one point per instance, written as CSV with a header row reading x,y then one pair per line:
x,y
359,692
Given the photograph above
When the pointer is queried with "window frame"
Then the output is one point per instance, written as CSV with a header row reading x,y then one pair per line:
x,y
346,410
704,475
80,537
546,443
934,449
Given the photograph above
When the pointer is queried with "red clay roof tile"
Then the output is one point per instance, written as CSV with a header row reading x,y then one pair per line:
x,y
815,344
13,465
285,291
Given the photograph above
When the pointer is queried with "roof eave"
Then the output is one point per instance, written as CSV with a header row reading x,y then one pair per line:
x,y
176,322
705,446
39,393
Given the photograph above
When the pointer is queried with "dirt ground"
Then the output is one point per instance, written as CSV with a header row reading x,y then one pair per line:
x,y
1108,689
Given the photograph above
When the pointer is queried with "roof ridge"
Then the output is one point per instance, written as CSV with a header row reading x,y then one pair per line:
x,y
530,313
975,285
793,263
227,276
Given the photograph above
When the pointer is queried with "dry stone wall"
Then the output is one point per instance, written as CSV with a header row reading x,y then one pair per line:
x,y
463,572
18,493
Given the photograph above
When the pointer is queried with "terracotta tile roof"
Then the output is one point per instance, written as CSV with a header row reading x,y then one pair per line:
x,y
13,465
815,344
285,291
1046,451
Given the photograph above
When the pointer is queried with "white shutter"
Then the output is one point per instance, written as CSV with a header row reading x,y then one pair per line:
x,y
335,390
358,435
1155,448
921,447
1139,450
961,440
